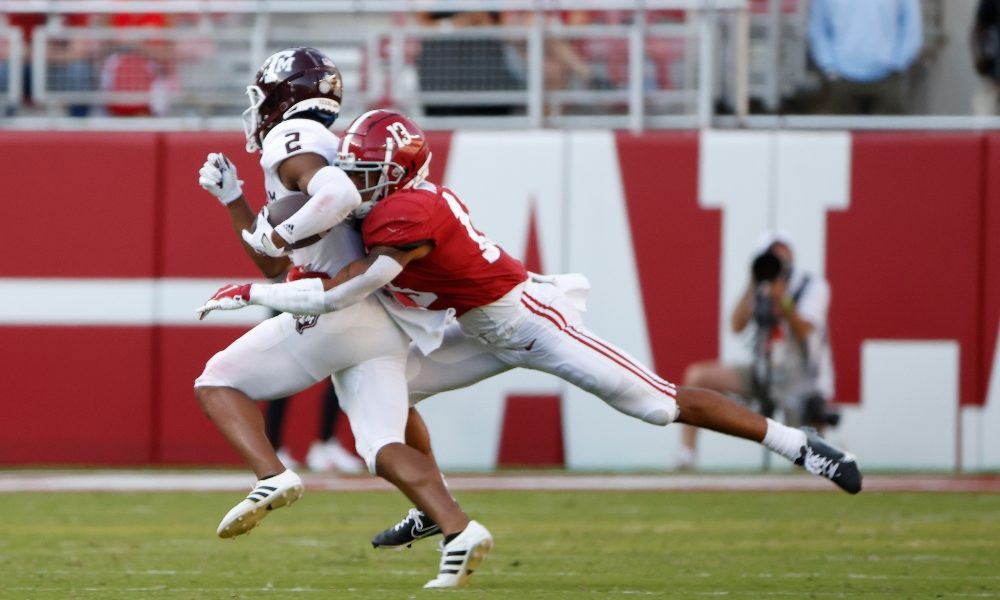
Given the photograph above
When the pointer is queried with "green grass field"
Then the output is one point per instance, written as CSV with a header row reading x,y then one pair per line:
x,y
548,545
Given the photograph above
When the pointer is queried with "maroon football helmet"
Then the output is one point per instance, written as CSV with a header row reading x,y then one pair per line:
x,y
391,151
291,81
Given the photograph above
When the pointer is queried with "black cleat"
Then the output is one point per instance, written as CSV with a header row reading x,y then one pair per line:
x,y
415,526
820,458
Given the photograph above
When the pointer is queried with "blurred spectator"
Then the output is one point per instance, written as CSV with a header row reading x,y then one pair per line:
x,y
563,65
69,62
863,48
144,66
326,453
985,41
464,65
608,58
792,367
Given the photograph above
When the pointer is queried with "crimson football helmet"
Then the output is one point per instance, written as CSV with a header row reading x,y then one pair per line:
x,y
391,151
291,81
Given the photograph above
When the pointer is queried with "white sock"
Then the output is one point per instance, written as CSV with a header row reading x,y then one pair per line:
x,y
786,441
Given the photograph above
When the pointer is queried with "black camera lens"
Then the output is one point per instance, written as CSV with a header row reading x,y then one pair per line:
x,y
766,267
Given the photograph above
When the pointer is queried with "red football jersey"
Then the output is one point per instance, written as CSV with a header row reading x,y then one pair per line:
x,y
464,270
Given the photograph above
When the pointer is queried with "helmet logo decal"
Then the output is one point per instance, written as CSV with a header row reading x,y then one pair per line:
x,y
279,62
327,83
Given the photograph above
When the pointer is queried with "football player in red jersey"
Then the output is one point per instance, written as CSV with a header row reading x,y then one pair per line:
x,y
422,244
294,100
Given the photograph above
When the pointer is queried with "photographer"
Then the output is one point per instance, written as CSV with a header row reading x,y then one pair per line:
x,y
791,368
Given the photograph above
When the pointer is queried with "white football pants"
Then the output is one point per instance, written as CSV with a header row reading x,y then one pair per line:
x,y
360,347
536,326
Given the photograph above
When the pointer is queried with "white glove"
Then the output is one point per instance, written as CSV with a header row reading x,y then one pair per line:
x,y
228,297
260,238
218,177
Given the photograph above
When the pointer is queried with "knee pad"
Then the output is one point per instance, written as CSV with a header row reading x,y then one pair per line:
x,y
664,415
646,404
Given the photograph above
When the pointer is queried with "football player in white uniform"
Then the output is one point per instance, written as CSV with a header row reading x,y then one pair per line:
x,y
507,317
294,99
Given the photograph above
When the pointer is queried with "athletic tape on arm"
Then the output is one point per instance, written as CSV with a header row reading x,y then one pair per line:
x,y
332,199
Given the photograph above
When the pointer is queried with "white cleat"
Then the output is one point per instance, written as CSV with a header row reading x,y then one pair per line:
x,y
268,494
462,556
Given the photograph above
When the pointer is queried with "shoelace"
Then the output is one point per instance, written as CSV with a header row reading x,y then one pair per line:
x,y
411,515
818,464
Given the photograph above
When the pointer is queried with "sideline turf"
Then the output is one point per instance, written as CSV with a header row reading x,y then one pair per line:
x,y
548,545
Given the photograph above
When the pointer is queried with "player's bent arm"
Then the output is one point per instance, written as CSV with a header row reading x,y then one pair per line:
x,y
242,217
332,197
349,286
308,296
218,177
403,256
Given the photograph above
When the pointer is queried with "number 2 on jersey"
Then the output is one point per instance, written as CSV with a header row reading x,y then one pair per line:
x,y
490,250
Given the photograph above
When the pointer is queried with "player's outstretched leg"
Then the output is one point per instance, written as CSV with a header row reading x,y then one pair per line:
x,y
269,494
711,410
415,526
820,457
462,556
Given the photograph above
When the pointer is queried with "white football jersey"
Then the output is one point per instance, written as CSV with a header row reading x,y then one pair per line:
x,y
340,245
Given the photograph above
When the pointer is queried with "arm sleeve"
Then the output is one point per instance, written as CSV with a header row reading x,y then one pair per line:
x,y
332,198
307,297
380,272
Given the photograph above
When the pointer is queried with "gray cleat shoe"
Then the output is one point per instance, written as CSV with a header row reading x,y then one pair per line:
x,y
415,526
821,458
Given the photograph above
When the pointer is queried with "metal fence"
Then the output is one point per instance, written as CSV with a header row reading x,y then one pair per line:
x,y
638,64
654,63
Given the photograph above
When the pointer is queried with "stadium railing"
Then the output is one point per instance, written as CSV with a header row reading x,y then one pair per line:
x,y
653,63
660,67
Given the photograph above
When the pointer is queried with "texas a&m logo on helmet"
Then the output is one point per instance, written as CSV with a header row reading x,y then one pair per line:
x,y
291,81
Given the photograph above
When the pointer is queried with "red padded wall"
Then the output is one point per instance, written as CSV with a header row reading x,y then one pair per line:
x,y
922,232
76,395
93,194
908,240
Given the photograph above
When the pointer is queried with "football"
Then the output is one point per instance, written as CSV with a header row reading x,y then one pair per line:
x,y
282,208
